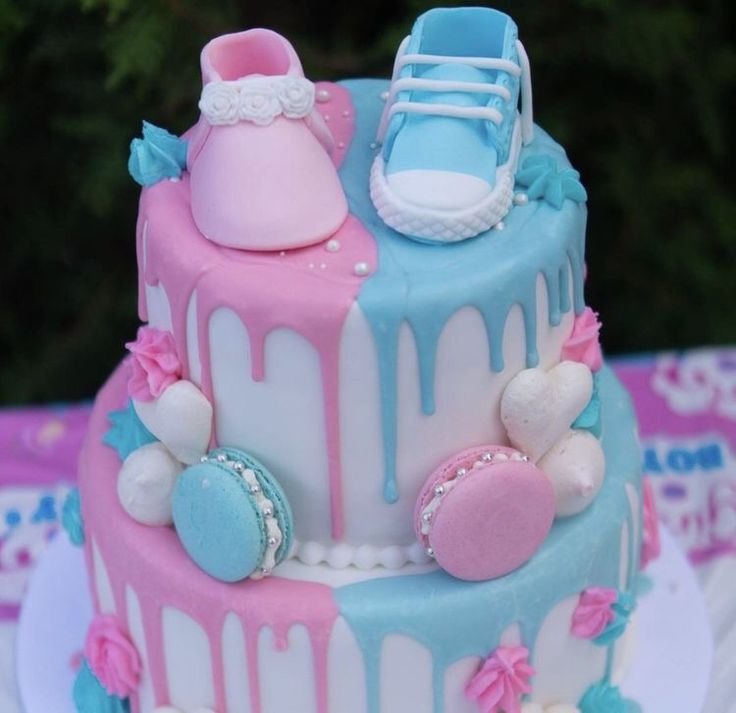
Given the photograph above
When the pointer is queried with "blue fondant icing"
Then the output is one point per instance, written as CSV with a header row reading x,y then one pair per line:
x,y
605,698
127,433
71,517
156,156
622,609
590,418
543,178
90,695
455,619
424,285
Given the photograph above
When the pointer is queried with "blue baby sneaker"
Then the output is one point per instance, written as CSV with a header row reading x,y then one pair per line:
x,y
451,130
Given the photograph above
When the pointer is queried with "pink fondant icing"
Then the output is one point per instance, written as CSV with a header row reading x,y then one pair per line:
x,y
489,521
584,345
650,545
153,364
593,612
275,603
501,681
111,656
289,289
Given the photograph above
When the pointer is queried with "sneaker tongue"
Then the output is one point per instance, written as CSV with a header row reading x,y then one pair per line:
x,y
455,73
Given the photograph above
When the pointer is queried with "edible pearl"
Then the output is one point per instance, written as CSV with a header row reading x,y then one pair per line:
x,y
346,113
429,551
333,245
203,459
238,467
221,458
383,95
341,145
327,117
361,269
521,199
255,489
272,541
500,225
487,457
373,145
439,490
460,472
267,512
265,571
322,96
427,516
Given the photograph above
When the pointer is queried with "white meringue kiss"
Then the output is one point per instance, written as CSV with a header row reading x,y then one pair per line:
x,y
181,418
576,466
146,484
538,406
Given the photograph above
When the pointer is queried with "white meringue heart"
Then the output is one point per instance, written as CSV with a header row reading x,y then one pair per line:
x,y
146,484
576,466
538,406
181,418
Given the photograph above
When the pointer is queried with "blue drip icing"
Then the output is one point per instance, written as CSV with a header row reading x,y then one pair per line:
x,y
425,284
454,619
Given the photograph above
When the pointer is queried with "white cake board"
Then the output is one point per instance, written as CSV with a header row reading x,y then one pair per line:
x,y
670,669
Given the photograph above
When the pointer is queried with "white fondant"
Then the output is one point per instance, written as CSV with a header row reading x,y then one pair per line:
x,y
292,688
287,407
346,671
146,484
584,663
181,418
456,679
159,309
188,661
137,635
195,365
539,406
576,465
623,567
401,693
102,582
237,683
443,190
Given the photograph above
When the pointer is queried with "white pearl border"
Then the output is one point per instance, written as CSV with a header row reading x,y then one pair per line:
x,y
362,557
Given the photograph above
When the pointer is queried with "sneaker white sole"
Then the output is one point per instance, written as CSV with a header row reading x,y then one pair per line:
x,y
447,226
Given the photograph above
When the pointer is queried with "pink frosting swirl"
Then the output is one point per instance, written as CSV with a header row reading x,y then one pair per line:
x,y
583,345
154,365
112,657
650,545
593,612
501,681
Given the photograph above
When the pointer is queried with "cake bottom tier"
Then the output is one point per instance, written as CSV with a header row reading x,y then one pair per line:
x,y
321,640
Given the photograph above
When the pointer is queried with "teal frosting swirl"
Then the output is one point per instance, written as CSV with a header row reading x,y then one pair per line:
x,y
71,517
127,433
605,698
543,178
158,155
90,695
622,609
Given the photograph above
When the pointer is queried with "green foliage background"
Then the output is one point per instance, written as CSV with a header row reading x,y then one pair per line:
x,y
640,93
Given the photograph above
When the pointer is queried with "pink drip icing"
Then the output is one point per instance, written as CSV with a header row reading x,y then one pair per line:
x,y
308,290
152,562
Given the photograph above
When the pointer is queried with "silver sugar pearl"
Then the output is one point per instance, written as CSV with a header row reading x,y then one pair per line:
x,y
238,466
427,516
361,269
272,541
439,490
460,472
525,458
265,571
221,458
487,457
521,198
322,96
333,245
255,488
500,225
267,512
203,459
429,551
383,96
373,145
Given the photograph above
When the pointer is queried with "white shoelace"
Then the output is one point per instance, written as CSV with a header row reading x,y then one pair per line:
x,y
398,84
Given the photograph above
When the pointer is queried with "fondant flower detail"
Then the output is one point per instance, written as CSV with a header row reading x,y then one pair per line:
x,y
296,96
594,612
127,433
604,698
501,681
156,156
220,103
90,695
583,345
71,517
543,179
112,657
154,364
259,104
602,615
650,546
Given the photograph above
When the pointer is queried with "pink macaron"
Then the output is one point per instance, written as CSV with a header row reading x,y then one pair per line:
x,y
484,512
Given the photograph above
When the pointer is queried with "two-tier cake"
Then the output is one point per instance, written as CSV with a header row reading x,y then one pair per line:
x,y
364,455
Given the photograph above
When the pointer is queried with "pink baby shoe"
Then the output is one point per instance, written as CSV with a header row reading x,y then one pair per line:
x,y
261,174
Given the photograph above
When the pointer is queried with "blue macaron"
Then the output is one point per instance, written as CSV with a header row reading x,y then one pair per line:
x,y
232,516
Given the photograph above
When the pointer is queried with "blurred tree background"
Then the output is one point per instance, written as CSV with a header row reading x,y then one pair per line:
x,y
640,94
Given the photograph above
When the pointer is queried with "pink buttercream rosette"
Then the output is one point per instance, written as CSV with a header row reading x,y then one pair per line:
x,y
153,363
501,681
650,545
583,345
594,612
112,657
